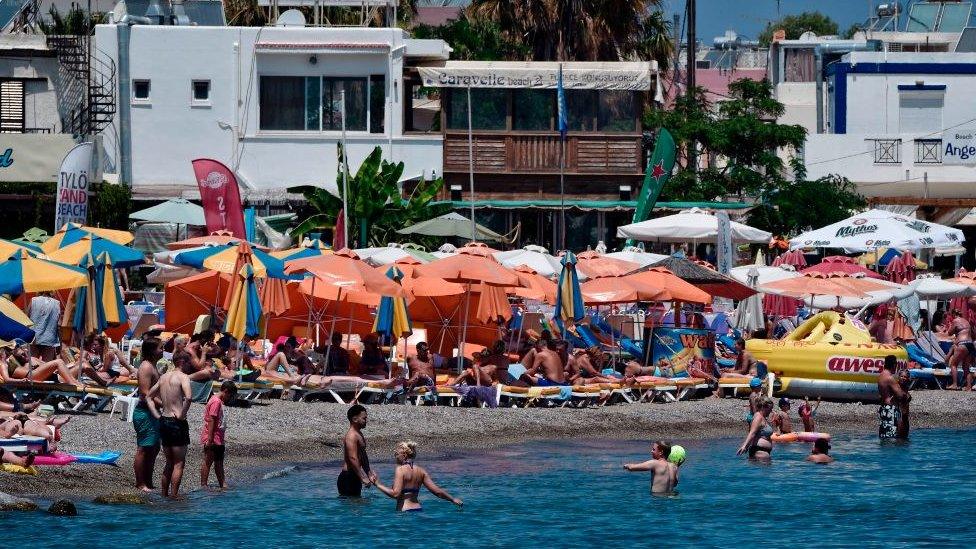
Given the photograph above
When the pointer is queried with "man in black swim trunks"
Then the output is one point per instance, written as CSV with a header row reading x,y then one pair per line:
x,y
173,390
355,467
894,400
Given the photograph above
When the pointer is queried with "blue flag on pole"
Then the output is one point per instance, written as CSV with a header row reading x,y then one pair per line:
x,y
561,105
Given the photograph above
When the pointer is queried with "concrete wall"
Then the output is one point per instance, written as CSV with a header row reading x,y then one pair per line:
x,y
169,130
40,96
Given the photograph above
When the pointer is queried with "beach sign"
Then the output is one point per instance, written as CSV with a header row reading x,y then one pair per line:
x,y
959,147
71,199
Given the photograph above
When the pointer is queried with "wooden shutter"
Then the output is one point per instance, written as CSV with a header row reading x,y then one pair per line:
x,y
11,106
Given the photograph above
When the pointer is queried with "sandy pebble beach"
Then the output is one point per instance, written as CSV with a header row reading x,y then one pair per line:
x,y
274,435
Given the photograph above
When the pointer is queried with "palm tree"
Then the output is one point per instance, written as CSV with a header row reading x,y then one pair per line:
x,y
375,203
568,30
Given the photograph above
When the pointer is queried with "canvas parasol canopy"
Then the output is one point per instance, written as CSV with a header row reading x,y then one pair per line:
x,y
229,258
590,264
175,210
840,264
703,278
874,229
217,238
387,255
96,246
532,257
452,225
636,255
819,284
71,233
687,226
308,248
534,285
22,273
14,324
194,296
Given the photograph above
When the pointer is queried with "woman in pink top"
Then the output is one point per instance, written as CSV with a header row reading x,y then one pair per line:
x,y
212,434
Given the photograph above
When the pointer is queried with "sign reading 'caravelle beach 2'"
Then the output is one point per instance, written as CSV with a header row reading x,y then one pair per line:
x,y
959,147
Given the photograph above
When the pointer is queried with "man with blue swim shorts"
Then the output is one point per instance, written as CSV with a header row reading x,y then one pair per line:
x,y
146,426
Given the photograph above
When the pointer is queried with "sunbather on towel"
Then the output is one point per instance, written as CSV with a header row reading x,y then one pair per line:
x,y
408,478
547,369
34,426
632,369
588,367
280,359
421,367
104,364
19,366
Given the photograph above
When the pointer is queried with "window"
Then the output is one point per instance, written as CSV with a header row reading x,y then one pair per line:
x,y
313,103
377,102
489,109
617,112
355,89
140,90
282,100
200,90
920,111
534,110
12,106
581,110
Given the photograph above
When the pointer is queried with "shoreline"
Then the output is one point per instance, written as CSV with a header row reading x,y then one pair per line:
x,y
267,438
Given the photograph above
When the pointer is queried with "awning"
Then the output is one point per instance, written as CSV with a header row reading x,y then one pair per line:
x,y
578,75
591,205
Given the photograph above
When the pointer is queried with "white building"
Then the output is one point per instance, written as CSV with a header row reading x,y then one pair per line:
x,y
263,100
890,117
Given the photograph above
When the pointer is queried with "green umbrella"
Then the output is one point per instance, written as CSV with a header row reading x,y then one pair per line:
x,y
452,224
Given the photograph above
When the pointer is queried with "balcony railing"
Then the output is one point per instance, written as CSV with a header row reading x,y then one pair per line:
x,y
504,152
887,151
928,151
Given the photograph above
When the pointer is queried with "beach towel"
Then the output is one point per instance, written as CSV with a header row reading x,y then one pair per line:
x,y
18,470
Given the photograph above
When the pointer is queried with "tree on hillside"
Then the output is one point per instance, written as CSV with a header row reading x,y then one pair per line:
x,y
795,25
570,30
743,141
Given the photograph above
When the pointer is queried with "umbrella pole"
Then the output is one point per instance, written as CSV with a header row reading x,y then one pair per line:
x,y
464,332
311,304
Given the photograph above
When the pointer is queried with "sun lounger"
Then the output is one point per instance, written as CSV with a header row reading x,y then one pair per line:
x,y
528,396
80,397
22,444
734,385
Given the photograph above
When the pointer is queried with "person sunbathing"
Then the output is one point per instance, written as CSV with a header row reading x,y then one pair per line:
x,y
408,479
589,367
745,364
421,367
14,459
19,366
548,367
480,373
22,424
183,360
104,364
280,360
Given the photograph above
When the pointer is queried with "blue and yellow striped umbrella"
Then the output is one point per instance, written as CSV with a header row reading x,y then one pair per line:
x,y
229,258
392,318
88,315
309,248
244,311
569,298
107,285
14,324
9,247
22,272
96,246
72,232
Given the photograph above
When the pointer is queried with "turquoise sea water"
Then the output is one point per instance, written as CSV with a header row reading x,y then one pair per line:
x,y
576,493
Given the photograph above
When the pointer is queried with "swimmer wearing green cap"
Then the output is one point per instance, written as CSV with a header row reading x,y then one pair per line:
x,y
664,474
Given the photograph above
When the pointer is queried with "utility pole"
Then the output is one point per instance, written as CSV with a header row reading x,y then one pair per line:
x,y
690,78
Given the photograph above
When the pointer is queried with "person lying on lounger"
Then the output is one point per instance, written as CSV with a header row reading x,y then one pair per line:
x,y
589,367
18,365
34,426
183,360
408,479
103,364
547,369
421,367
745,364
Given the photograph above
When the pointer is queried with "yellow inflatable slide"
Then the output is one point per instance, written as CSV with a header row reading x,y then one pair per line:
x,y
827,356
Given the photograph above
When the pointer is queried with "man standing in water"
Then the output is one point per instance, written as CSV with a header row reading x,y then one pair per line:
x,y
894,402
173,390
146,426
664,474
355,467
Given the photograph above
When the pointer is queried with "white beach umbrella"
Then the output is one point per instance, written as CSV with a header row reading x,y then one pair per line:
x,y
693,224
876,297
539,261
388,255
166,257
636,255
765,274
174,210
452,224
874,229
932,287
748,315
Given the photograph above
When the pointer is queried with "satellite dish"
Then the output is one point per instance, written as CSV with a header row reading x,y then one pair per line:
x,y
808,35
291,18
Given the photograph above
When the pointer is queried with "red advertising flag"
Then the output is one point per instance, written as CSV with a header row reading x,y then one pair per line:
x,y
339,232
221,197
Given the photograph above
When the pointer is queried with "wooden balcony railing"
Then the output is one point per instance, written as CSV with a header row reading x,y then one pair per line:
x,y
538,152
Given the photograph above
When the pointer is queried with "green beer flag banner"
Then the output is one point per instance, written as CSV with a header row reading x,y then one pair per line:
x,y
658,172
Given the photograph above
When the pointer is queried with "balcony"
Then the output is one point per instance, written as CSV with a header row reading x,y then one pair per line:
x,y
538,153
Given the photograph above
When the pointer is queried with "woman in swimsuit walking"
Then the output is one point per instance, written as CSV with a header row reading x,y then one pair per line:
x,y
408,478
759,442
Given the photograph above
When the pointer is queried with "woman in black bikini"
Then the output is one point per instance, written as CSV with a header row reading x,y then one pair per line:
x,y
408,479
759,441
